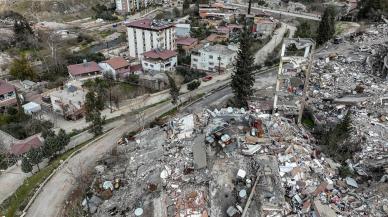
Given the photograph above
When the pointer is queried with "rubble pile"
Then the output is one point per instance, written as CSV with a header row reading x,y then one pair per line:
x,y
340,81
228,162
312,182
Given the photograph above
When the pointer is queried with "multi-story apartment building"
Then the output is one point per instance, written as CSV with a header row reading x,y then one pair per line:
x,y
216,58
146,35
128,6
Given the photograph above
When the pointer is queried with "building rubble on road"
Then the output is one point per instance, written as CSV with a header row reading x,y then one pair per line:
x,y
236,162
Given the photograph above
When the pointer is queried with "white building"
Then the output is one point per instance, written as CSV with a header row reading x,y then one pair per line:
x,y
213,58
146,35
156,60
118,66
128,6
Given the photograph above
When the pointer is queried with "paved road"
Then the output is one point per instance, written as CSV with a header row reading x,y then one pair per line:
x,y
303,15
276,39
218,98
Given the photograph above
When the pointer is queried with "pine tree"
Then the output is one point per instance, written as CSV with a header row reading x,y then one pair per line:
x,y
326,27
243,78
96,123
174,89
63,139
35,156
185,7
249,6
26,165
50,146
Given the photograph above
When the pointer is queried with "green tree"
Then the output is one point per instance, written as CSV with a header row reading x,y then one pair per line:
x,y
50,146
26,165
63,139
22,69
193,85
3,161
304,30
326,27
96,123
35,156
185,7
176,12
92,110
243,78
372,9
174,89
335,140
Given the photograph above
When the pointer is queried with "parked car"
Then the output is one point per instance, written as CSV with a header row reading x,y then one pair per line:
x,y
207,78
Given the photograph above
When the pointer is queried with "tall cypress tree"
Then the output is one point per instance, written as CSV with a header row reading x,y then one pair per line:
x,y
26,165
326,27
243,78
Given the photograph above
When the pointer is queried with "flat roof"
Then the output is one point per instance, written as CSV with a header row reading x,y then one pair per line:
x,y
158,54
149,24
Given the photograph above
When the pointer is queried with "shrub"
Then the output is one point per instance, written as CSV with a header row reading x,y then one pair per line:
x,y
193,85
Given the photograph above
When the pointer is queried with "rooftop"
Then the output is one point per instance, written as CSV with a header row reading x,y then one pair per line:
x,y
5,87
26,145
218,48
149,24
186,41
158,54
83,68
117,62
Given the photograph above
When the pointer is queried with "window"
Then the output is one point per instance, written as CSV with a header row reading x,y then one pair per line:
x,y
146,64
152,66
194,66
210,56
167,64
195,59
211,63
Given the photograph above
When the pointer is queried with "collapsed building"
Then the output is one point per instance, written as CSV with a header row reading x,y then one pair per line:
x,y
237,163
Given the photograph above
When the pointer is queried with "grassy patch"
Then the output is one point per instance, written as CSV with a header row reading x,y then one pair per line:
x,y
106,33
23,194
126,87
308,122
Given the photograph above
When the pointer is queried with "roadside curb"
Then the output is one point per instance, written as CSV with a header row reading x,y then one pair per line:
x,y
59,167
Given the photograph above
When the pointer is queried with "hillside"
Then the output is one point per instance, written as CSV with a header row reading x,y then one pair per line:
x,y
60,10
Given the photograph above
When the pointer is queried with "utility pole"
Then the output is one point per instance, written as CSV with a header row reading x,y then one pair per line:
x,y
219,65
249,6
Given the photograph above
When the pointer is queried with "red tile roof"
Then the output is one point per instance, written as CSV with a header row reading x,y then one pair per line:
x,y
83,68
150,24
186,41
6,87
157,54
136,68
117,62
26,145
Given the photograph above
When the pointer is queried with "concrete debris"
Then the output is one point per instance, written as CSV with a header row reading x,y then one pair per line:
x,y
350,181
237,162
